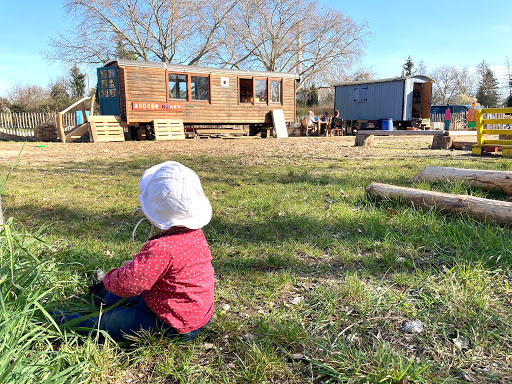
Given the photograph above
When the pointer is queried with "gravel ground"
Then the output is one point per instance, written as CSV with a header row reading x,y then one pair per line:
x,y
254,150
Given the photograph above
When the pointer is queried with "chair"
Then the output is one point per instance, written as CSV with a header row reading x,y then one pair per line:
x,y
338,128
304,128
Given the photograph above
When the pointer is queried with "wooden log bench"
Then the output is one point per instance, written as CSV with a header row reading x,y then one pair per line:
x,y
441,139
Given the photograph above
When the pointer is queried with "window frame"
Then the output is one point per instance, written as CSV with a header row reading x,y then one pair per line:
x,y
265,79
189,87
280,81
239,93
361,94
268,80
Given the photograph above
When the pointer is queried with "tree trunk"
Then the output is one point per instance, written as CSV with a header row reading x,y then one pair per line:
x,y
442,142
488,180
478,208
364,140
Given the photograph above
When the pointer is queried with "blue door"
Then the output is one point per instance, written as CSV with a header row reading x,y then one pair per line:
x,y
108,91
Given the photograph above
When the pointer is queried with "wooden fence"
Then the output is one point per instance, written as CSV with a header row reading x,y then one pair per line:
x,y
457,121
23,124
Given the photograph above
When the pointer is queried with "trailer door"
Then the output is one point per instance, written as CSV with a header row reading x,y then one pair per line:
x,y
426,98
108,91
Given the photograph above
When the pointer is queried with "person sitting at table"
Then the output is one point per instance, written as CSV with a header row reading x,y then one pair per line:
x,y
336,119
310,119
325,118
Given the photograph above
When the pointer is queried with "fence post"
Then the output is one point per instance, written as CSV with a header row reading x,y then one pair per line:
x,y
60,127
479,119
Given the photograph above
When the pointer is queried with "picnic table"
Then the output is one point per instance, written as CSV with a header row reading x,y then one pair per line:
x,y
318,127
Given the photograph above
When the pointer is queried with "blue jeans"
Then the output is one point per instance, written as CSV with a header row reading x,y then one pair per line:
x,y
130,317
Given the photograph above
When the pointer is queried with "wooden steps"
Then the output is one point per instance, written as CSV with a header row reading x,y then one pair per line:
x,y
77,132
169,129
106,128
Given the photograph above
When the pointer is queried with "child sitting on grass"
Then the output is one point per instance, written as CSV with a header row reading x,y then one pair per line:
x,y
169,283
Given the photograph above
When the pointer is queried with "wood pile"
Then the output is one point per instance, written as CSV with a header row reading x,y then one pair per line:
x,y
168,129
497,211
46,132
106,128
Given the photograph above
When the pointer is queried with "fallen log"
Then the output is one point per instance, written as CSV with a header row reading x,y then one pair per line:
x,y
499,212
488,180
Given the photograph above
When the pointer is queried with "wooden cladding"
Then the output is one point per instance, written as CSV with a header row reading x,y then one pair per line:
x,y
222,107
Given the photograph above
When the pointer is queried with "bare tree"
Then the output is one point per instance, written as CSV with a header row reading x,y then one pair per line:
x,y
508,79
274,35
421,68
27,97
450,82
179,31
292,36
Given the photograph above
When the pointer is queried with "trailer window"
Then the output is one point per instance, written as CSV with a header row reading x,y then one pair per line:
x,y
261,91
361,94
200,88
275,91
246,90
177,86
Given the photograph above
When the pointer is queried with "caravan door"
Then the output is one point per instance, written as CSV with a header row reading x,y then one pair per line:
x,y
108,91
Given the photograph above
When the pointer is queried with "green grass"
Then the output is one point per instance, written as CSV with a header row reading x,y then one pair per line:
x,y
318,281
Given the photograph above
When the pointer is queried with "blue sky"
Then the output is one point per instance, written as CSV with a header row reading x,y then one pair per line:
x,y
439,32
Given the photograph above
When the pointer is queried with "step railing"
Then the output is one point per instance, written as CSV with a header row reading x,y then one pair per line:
x,y
60,125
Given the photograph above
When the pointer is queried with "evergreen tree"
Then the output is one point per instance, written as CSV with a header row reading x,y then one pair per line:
x,y
77,82
487,94
407,67
509,102
122,52
313,96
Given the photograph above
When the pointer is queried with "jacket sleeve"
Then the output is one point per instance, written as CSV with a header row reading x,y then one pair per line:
x,y
141,273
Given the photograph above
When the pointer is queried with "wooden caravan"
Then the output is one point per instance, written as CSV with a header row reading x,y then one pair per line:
x,y
141,92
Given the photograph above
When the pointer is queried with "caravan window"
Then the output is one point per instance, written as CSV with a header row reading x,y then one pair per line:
x,y
360,94
261,91
108,87
177,86
275,91
200,88
246,90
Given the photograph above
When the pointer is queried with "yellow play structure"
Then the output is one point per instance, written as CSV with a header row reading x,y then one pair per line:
x,y
485,146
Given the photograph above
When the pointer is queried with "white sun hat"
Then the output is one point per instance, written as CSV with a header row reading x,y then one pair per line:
x,y
171,195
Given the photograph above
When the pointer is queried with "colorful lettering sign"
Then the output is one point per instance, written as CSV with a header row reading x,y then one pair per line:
x,y
148,106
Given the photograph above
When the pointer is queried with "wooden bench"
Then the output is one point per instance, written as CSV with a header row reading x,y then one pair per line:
x,y
169,129
441,139
221,132
267,131
105,128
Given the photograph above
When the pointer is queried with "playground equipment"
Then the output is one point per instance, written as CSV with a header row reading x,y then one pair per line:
x,y
488,146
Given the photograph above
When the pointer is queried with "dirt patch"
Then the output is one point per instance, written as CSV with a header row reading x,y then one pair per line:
x,y
255,150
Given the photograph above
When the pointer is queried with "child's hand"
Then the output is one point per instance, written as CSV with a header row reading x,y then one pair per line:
x,y
125,263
